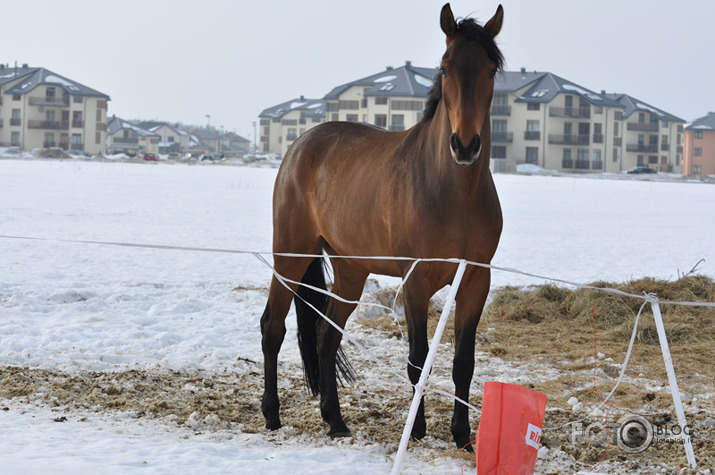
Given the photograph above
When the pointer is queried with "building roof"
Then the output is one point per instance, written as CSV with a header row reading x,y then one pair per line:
x,y
631,105
313,108
31,78
116,124
703,123
545,86
176,130
405,81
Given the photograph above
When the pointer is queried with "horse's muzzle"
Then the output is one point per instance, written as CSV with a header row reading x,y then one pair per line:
x,y
468,155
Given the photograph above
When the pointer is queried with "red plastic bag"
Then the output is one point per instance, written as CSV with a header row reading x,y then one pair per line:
x,y
510,429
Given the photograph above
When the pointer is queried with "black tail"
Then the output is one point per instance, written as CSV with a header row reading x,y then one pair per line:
x,y
308,325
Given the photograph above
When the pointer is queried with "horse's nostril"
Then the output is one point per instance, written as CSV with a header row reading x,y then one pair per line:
x,y
455,144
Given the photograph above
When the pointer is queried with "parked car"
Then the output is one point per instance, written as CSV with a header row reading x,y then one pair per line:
x,y
78,154
150,157
173,156
638,170
212,156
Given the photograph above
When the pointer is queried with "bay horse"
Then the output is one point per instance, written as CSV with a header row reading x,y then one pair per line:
x,y
349,189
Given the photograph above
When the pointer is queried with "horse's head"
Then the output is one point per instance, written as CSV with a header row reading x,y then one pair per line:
x,y
468,67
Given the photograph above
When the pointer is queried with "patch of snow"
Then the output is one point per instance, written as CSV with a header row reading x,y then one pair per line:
x,y
295,105
423,81
313,106
58,80
591,95
648,108
385,79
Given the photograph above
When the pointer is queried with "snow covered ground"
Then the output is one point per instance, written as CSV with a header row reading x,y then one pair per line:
x,y
88,307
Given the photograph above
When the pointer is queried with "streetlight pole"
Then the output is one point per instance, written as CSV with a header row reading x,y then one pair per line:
x,y
255,146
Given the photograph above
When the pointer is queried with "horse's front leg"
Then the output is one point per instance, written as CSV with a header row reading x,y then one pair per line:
x,y
470,303
416,312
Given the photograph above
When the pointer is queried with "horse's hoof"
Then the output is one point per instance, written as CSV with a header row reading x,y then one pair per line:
x,y
466,445
338,435
418,433
339,430
273,423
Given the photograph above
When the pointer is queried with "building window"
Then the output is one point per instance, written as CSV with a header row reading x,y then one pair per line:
x,y
15,139
598,110
532,155
698,152
352,118
16,97
292,134
698,134
380,101
398,122
615,154
498,151
641,161
77,99
596,163
618,115
567,161
532,130
381,120
49,140
697,169
98,138
582,159
533,106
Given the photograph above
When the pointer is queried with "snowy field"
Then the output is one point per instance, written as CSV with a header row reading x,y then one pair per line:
x,y
87,307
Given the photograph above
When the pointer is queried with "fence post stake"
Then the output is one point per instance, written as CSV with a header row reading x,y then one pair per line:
x,y
424,376
668,360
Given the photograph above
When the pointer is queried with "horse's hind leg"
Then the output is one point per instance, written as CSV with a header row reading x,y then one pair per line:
x,y
273,331
470,303
349,283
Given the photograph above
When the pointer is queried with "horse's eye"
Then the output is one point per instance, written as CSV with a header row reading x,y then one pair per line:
x,y
444,72
492,73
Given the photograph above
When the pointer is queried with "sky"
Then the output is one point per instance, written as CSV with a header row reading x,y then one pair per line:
x,y
181,60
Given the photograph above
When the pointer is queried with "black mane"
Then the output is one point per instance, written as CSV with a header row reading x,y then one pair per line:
x,y
473,32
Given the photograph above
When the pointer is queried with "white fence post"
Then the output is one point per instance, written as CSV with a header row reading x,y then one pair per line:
x,y
419,389
668,360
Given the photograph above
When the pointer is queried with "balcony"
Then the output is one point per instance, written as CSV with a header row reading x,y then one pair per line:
x,y
502,137
641,127
597,138
567,163
130,140
570,112
15,121
48,124
532,135
665,147
78,124
641,148
501,110
49,101
557,139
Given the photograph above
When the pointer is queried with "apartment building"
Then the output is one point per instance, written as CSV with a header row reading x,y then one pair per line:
x,y
699,146
649,137
537,117
282,124
125,137
42,109
393,99
543,119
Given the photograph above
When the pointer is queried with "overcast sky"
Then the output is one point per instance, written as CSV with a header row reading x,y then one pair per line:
x,y
180,60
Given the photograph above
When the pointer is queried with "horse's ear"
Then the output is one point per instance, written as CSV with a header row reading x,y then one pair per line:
x,y
446,21
493,26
